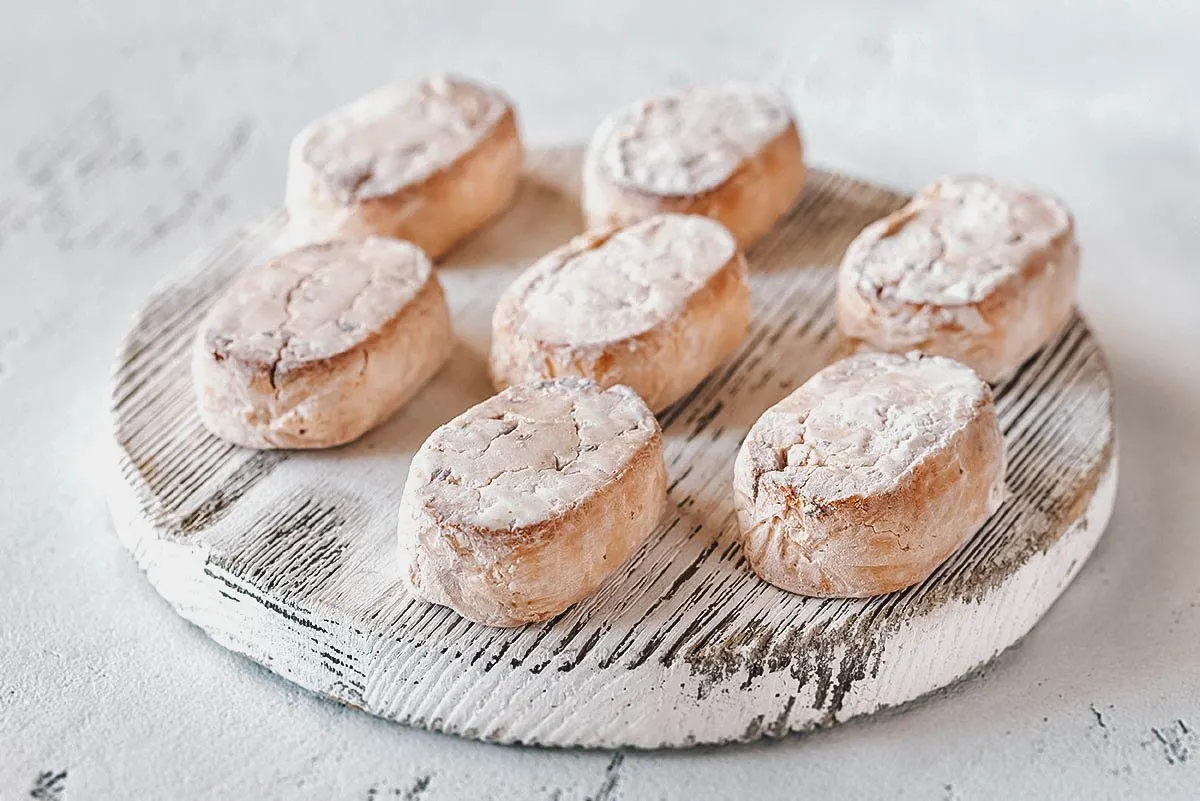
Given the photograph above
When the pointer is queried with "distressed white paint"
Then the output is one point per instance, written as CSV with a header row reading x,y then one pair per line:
x,y
289,558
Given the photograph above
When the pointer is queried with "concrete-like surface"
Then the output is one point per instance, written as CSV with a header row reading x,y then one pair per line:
x,y
134,132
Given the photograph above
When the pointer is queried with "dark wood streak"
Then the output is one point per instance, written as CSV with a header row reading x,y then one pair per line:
x,y
248,474
294,616
291,553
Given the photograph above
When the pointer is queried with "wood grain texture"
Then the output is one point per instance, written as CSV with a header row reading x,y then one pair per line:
x,y
288,557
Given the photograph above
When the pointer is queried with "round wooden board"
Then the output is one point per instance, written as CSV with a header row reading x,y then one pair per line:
x,y
287,557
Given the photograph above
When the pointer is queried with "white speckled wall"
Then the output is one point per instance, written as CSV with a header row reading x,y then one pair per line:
x,y
136,131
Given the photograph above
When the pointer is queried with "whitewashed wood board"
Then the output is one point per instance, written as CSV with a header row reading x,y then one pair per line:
x,y
287,557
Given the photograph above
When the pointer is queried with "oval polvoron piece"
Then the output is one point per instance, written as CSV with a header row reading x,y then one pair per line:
x,y
869,476
320,345
970,269
729,151
428,163
655,306
522,505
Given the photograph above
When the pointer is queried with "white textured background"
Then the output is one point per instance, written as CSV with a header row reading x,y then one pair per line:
x,y
134,131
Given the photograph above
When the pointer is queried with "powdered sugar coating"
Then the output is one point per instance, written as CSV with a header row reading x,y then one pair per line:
x,y
957,242
398,136
859,425
528,454
689,141
607,288
315,302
